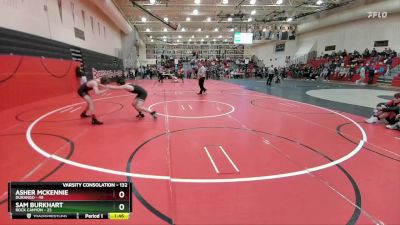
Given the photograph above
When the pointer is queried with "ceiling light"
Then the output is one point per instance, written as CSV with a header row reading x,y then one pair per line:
x,y
208,19
164,37
224,2
183,29
202,39
177,40
216,29
166,19
195,12
230,19
225,40
319,2
190,39
249,19
151,40
220,36
147,29
199,29
214,39
197,1
207,36
289,19
144,19
152,2
278,2
151,37
165,29
253,2
264,29
232,29
192,36
179,36
253,12
187,18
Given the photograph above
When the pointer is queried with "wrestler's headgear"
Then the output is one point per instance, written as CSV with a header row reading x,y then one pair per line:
x,y
121,81
104,80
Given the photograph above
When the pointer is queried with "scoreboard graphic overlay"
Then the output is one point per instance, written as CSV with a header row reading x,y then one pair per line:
x,y
69,200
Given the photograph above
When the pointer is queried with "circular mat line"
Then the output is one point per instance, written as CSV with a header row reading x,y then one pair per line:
x,y
357,205
186,180
71,152
54,75
13,73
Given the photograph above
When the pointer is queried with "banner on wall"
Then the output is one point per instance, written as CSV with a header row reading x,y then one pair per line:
x,y
60,9
83,18
73,11
106,73
91,22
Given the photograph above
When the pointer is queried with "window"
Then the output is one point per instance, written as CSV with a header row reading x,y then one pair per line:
x,y
280,47
330,48
381,43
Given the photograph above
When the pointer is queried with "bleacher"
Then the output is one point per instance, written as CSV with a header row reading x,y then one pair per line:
x,y
380,67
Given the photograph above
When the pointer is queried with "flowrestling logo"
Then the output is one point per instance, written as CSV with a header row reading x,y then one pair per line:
x,y
379,15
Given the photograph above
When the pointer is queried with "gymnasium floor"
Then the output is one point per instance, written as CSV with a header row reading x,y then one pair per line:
x,y
294,153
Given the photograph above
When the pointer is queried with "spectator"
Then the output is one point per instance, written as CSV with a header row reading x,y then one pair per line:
x,y
356,54
388,63
352,71
366,53
388,111
371,73
324,73
81,75
396,125
374,53
362,75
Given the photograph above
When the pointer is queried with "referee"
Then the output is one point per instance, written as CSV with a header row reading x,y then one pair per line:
x,y
202,77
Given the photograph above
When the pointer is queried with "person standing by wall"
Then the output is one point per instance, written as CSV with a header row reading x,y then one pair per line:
x,y
81,75
388,64
362,75
371,73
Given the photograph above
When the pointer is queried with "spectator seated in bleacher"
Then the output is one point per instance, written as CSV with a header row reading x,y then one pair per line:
x,y
356,54
343,66
336,71
366,53
324,73
352,71
344,70
374,53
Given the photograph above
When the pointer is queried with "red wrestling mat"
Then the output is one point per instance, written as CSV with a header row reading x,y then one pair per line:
x,y
231,156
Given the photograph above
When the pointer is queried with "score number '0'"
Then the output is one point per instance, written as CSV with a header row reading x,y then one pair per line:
x,y
121,194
